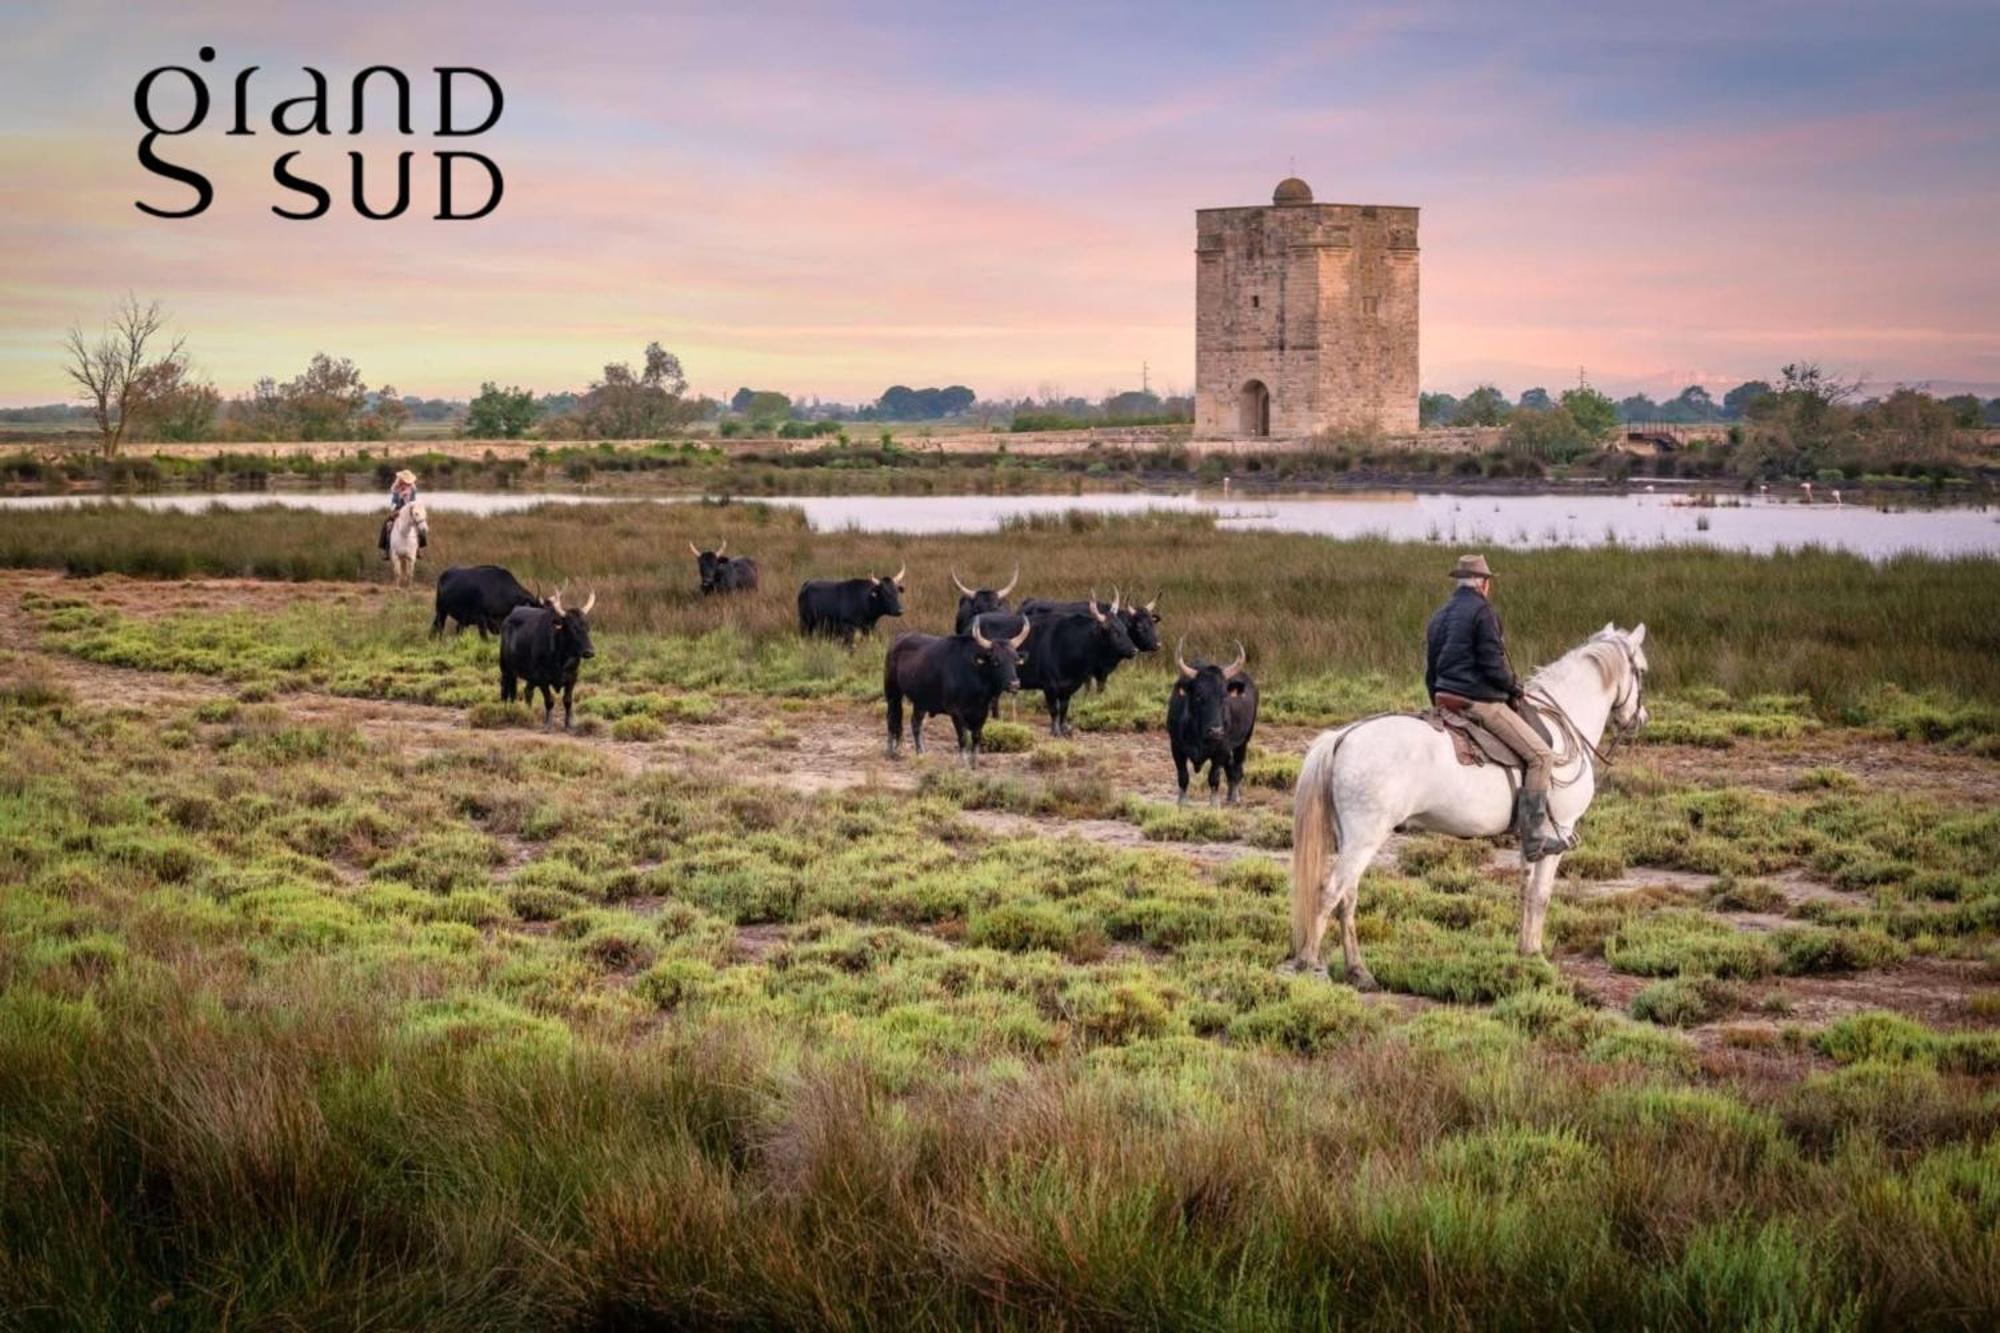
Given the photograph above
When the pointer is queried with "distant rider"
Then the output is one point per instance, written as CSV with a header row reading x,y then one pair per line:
x,y
402,493
1466,671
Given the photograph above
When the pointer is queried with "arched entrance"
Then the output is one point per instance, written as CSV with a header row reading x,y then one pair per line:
x,y
1254,409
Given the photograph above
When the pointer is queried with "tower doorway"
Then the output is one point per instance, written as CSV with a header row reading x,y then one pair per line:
x,y
1254,409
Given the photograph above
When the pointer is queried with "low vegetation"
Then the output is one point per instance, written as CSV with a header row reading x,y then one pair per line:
x,y
305,1021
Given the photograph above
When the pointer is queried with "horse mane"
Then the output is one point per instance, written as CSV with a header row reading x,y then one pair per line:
x,y
1597,650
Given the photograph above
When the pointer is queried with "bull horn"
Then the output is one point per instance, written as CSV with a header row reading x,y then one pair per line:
x,y
1229,672
590,601
1010,583
1021,638
960,582
555,600
979,635
1180,660
1153,607
898,580
1116,597
722,546
1095,614
694,550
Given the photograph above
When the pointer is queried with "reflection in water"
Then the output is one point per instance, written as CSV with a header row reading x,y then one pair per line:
x,y
1500,521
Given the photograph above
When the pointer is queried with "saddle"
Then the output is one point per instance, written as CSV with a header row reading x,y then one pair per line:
x,y
1473,744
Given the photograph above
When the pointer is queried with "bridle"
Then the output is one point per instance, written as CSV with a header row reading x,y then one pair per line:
x,y
1593,757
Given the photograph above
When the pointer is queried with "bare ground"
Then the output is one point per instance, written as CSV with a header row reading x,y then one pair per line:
x,y
833,745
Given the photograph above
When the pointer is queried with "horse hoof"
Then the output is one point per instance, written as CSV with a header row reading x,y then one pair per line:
x,y
1298,967
1362,979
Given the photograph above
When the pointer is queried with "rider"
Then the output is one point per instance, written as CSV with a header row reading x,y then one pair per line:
x,y
1466,671
400,494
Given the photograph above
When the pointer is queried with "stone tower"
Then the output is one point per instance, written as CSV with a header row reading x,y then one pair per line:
x,y
1305,317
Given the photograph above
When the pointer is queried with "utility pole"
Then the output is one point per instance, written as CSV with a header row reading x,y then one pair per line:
x,y
1145,379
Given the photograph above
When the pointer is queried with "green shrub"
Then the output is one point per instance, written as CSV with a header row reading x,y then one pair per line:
x,y
1684,1002
1679,943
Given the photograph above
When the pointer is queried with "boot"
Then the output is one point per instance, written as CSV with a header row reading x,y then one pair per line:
x,y
1539,837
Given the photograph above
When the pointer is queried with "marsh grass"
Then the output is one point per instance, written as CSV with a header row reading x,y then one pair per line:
x,y
472,1037
1743,646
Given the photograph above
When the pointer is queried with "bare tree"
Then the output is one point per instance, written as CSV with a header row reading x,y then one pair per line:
x,y
111,372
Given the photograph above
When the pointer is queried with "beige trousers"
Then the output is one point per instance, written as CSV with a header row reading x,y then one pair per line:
x,y
1522,739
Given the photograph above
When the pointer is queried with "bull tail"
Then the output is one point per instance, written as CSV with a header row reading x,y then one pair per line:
x,y
1315,835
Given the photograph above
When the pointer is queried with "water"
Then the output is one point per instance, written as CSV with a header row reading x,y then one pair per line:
x,y
1760,524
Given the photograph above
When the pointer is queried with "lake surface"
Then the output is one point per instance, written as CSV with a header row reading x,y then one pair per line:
x,y
1761,524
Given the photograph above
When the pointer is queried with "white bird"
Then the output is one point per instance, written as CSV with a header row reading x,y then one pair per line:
x,y
1836,497
1806,486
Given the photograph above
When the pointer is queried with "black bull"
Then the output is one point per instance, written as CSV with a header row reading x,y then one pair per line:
x,y
845,608
1142,623
1068,650
481,595
976,602
541,647
958,676
724,573
1210,717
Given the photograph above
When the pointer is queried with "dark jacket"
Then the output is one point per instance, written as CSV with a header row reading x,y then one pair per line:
x,y
1466,652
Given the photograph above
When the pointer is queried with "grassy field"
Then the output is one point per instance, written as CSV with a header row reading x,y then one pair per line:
x,y
329,995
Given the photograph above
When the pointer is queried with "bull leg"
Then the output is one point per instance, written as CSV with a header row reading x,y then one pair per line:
x,y
973,730
1055,717
506,687
1181,772
958,730
1214,780
568,691
437,624
917,728
1236,774
894,698
548,706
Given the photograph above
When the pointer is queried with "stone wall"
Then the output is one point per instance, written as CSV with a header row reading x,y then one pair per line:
x,y
1315,302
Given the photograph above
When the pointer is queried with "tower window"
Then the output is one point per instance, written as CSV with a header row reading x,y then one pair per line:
x,y
1256,302
1371,305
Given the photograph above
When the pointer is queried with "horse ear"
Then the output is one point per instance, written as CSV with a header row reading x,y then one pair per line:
x,y
1638,634
1609,628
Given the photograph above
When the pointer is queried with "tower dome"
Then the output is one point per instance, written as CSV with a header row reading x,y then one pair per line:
x,y
1292,190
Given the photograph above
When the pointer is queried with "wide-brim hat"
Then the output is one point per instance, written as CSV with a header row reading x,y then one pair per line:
x,y
407,475
1471,567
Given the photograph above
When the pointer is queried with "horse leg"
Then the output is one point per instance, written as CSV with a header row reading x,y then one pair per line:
x,y
1536,888
1343,891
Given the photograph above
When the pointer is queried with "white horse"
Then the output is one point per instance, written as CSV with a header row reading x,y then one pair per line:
x,y
407,534
1366,779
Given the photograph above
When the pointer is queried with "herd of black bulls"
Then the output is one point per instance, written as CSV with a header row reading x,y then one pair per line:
x,y
995,649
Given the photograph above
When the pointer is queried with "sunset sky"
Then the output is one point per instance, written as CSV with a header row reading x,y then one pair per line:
x,y
827,199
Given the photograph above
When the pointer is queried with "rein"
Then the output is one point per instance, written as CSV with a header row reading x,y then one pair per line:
x,y
1591,756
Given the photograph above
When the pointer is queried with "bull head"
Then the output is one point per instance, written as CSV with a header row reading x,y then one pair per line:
x,y
979,636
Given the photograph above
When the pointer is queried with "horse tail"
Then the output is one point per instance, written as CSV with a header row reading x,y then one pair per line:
x,y
1315,834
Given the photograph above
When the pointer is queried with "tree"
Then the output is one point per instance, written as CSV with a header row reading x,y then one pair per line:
x,y
324,402
1551,433
1484,406
625,406
1736,403
1693,404
1594,413
168,403
1993,413
113,372
1537,400
1638,407
1436,409
1966,410
388,416
767,406
740,400
501,414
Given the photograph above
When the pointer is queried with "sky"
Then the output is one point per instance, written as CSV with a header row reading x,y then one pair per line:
x,y
827,199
